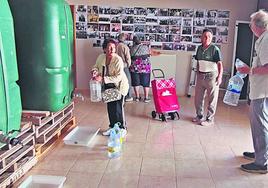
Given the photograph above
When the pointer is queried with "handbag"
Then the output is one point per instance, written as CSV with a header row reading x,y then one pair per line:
x,y
110,95
110,92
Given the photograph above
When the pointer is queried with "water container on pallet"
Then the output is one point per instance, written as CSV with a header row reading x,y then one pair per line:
x,y
44,41
10,100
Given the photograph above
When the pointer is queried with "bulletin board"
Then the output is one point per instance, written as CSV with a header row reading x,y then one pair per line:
x,y
160,28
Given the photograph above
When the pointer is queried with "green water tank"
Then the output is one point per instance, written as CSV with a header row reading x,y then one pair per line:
x,y
44,42
10,101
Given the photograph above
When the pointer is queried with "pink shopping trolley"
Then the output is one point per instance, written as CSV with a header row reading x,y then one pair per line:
x,y
165,97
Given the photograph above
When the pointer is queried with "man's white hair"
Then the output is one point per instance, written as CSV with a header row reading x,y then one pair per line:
x,y
260,19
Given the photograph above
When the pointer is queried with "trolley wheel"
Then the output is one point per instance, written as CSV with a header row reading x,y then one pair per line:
x,y
178,115
172,116
189,96
153,114
163,118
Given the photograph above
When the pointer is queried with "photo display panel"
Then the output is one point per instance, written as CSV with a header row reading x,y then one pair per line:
x,y
160,28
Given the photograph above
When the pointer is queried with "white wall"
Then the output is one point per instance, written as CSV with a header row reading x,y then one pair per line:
x,y
239,10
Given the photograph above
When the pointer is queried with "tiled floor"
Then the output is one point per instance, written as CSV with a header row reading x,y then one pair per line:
x,y
158,154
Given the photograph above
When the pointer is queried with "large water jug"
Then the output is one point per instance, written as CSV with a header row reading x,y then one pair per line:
x,y
95,90
233,92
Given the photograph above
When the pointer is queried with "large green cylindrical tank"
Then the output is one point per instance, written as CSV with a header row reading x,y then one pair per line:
x,y
44,42
10,101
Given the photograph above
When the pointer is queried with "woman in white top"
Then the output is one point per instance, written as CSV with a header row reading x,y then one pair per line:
x,y
109,68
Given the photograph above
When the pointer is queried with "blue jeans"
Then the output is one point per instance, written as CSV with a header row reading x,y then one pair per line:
x,y
126,70
259,129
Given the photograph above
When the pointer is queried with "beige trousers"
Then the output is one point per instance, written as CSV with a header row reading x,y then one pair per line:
x,y
206,84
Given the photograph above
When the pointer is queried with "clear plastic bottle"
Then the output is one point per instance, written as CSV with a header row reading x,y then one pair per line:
x,y
118,131
233,92
239,63
114,145
95,91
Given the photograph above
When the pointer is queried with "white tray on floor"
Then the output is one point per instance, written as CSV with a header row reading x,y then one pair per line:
x,y
81,136
43,181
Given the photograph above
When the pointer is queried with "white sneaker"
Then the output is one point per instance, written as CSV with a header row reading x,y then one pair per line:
x,y
107,132
123,133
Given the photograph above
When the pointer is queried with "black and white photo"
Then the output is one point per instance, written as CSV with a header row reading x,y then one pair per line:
x,y
167,46
140,11
175,12
127,19
104,10
223,14
152,12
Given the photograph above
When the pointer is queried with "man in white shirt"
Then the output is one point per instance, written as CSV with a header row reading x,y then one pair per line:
x,y
258,76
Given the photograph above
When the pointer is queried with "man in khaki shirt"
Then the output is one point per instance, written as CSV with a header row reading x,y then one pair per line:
x,y
123,51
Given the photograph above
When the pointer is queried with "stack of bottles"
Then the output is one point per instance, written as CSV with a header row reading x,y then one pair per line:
x,y
115,142
235,86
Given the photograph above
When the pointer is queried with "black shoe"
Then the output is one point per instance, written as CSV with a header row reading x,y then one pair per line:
x,y
253,168
249,155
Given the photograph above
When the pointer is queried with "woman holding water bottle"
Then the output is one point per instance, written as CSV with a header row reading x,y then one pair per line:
x,y
258,76
109,69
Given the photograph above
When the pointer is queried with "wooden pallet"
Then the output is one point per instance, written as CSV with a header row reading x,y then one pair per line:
x,y
12,158
41,118
23,166
66,126
9,155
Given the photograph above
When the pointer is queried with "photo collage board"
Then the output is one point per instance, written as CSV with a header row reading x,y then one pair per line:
x,y
160,28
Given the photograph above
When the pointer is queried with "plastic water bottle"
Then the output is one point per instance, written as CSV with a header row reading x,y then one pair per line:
x,y
114,145
118,131
78,95
233,92
95,91
239,63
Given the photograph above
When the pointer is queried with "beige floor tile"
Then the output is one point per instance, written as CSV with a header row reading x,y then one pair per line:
x,y
158,151
124,165
158,167
185,137
231,183
260,183
189,152
157,182
56,163
85,180
160,134
227,172
195,182
85,164
118,179
132,149
192,169
220,155
257,177
136,136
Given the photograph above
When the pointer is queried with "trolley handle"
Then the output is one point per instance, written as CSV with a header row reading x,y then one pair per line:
x,y
154,71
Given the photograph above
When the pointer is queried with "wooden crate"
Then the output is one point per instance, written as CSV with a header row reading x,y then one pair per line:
x,y
66,127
